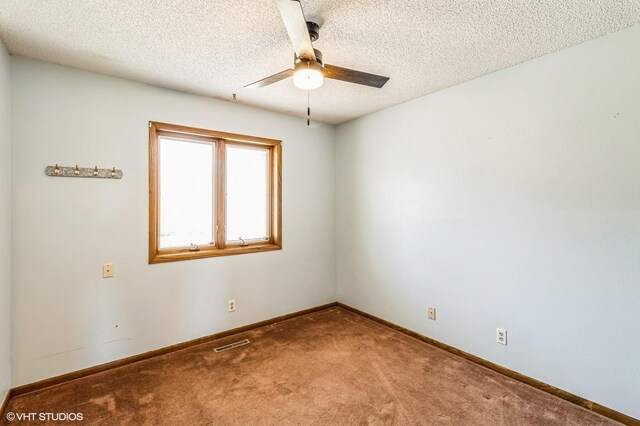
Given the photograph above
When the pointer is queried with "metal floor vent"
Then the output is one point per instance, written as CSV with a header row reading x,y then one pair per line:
x,y
232,345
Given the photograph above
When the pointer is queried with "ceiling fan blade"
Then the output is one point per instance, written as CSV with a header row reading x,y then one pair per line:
x,y
294,21
353,76
270,80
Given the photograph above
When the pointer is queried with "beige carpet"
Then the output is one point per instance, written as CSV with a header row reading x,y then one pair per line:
x,y
332,367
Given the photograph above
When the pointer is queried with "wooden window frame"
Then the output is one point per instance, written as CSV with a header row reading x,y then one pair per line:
x,y
220,141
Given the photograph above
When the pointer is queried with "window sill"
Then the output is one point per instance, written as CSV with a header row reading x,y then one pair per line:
x,y
211,252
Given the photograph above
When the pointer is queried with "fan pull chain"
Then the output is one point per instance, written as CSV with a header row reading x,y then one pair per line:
x,y
308,110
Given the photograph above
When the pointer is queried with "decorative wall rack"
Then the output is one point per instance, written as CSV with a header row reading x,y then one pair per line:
x,y
83,172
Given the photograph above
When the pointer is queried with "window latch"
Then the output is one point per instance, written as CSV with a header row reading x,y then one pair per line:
x,y
242,242
194,247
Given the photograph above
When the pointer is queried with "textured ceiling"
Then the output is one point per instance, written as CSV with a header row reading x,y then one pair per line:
x,y
215,47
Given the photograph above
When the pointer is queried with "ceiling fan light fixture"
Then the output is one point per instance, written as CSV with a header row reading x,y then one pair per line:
x,y
307,75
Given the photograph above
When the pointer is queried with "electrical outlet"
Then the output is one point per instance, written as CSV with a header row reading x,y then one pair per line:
x,y
231,305
431,313
501,336
107,270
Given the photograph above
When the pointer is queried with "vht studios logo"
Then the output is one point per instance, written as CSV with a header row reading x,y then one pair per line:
x,y
44,417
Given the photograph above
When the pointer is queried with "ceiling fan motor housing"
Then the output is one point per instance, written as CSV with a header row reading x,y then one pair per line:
x,y
318,58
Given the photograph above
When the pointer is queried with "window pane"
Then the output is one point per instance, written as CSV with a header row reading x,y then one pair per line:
x,y
186,193
247,193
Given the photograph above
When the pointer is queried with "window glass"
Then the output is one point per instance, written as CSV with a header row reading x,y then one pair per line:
x,y
247,193
186,193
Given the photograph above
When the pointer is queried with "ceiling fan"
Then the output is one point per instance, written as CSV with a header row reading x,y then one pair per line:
x,y
309,71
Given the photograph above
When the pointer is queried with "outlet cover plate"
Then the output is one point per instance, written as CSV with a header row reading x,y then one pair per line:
x,y
501,336
107,270
431,313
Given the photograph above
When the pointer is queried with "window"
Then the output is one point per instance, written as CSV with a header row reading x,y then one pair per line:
x,y
212,193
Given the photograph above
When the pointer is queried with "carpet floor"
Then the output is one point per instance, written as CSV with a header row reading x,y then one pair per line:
x,y
332,367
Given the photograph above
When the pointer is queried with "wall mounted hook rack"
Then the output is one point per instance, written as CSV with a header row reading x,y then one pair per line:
x,y
83,172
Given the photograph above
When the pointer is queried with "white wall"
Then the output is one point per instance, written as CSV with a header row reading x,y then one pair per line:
x,y
64,313
510,201
5,222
